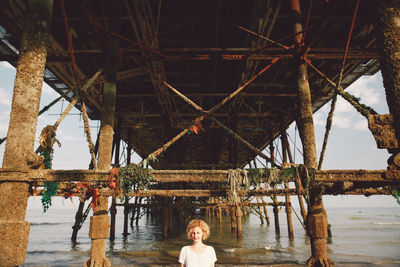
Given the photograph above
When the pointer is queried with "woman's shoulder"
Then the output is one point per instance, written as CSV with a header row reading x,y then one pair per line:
x,y
209,247
185,248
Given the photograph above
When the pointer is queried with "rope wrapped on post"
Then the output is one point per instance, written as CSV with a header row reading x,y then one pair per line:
x,y
237,180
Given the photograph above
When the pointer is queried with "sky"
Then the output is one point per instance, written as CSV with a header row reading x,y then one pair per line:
x,y
350,145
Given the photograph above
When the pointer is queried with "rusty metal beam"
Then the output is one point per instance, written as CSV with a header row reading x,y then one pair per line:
x,y
209,57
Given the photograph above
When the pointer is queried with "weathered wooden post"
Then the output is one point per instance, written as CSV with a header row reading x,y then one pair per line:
x,y
233,219
265,210
299,195
164,214
19,150
126,202
274,198
288,205
260,211
239,215
138,211
219,211
388,36
276,217
170,213
113,208
317,223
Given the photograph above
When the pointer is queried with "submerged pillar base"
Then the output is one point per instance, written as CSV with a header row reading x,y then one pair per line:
x,y
14,241
317,226
99,231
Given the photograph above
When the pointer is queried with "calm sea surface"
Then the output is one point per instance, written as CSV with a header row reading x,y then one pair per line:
x,y
361,237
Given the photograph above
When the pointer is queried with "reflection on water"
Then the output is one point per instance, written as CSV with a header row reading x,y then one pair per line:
x,y
50,241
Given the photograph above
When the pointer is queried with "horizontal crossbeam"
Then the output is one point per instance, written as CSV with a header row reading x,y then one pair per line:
x,y
190,176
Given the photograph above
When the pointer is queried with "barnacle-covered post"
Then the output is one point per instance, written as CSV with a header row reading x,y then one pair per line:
x,y
388,36
19,150
317,223
100,221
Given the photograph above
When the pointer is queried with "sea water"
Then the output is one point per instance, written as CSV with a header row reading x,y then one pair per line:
x,y
360,237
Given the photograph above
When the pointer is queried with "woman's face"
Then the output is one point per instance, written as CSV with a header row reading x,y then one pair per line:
x,y
196,234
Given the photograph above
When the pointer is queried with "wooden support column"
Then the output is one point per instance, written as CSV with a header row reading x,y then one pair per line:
x,y
78,220
299,195
274,198
233,219
126,202
170,214
113,208
138,211
388,36
276,219
239,215
317,223
219,212
288,205
265,210
19,150
260,212
164,214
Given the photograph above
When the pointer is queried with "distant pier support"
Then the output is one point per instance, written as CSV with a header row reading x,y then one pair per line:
x,y
19,151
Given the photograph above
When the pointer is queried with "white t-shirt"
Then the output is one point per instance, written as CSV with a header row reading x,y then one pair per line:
x,y
192,259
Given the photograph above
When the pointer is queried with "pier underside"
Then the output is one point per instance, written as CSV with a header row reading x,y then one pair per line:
x,y
198,89
206,51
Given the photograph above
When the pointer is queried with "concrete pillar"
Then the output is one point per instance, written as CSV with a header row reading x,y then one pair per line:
x,y
98,232
388,36
316,218
100,219
19,150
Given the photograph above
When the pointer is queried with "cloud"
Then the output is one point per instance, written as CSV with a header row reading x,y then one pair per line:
x,y
5,116
367,88
343,106
4,98
319,118
342,121
361,125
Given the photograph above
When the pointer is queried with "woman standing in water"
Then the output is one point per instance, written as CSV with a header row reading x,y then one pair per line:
x,y
197,254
